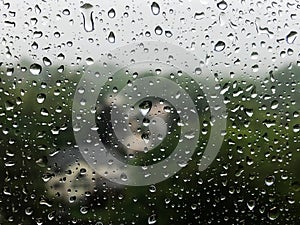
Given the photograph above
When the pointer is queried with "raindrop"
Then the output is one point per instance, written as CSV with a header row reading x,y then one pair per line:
x,y
222,5
199,16
291,37
296,128
189,135
40,98
158,30
87,14
274,104
66,12
47,61
273,213
168,33
155,8
152,188
220,46
37,9
146,122
111,37
198,71
34,45
152,219
35,69
84,210
145,107
251,204
111,13
269,181
146,137
123,177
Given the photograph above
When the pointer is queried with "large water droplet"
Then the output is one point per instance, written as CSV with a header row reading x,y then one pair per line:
x,y
35,69
220,46
145,107
111,13
270,180
273,213
152,219
155,8
40,98
47,61
87,14
146,137
111,37
158,30
291,37
222,5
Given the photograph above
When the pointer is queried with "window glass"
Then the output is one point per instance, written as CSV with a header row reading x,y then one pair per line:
x,y
149,112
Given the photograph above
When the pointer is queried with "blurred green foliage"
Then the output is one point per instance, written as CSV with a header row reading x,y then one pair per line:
x,y
255,178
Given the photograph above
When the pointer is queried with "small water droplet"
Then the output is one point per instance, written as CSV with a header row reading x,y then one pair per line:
x,y
35,69
111,37
155,8
220,46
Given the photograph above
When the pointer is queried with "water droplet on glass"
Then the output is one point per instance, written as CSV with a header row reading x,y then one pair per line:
x,y
189,135
146,137
273,213
152,188
158,30
274,104
111,13
47,61
145,107
123,177
199,16
270,180
146,122
251,204
168,33
152,219
40,98
87,14
155,8
35,69
222,5
291,37
198,71
111,37
220,46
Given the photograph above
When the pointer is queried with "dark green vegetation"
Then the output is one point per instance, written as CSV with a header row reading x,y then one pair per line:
x,y
255,178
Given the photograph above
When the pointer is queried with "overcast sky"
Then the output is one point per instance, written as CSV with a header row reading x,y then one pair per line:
x,y
246,27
